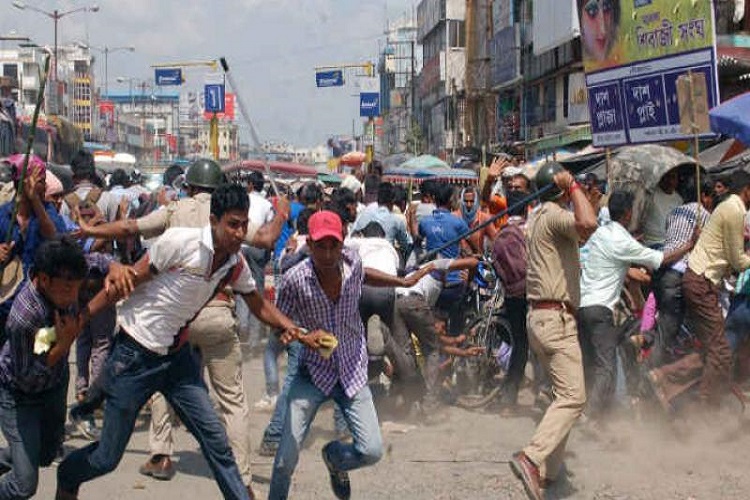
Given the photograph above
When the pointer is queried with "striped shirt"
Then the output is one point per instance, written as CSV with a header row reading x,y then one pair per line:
x,y
680,226
20,368
302,299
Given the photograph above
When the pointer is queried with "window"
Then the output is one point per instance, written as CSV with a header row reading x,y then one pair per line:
x,y
566,90
550,100
11,70
456,34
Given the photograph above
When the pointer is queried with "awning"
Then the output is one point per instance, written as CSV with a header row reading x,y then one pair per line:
x,y
557,141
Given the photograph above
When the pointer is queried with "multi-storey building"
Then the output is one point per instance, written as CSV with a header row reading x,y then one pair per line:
x,y
441,31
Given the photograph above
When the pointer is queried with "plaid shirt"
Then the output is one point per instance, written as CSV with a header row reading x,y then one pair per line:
x,y
680,226
302,299
20,368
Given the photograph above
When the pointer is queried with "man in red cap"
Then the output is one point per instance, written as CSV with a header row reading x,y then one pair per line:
x,y
321,294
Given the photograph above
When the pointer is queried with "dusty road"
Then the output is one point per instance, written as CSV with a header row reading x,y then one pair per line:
x,y
465,456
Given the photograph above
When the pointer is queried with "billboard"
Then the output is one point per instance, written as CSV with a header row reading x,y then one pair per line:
x,y
634,52
505,63
369,104
555,22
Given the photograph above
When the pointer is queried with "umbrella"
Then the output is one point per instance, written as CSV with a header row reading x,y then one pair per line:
x,y
640,168
425,162
353,159
731,118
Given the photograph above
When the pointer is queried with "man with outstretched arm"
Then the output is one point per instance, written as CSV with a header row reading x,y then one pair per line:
x,y
180,273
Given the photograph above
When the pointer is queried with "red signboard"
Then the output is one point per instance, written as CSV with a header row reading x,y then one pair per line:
x,y
228,114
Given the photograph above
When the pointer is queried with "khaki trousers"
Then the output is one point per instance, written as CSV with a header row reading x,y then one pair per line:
x,y
553,337
214,334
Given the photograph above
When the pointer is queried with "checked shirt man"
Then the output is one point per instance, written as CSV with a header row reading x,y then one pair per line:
x,y
322,295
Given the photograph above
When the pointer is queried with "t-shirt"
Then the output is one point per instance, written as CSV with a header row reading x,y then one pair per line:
x,y
655,216
261,210
376,253
553,271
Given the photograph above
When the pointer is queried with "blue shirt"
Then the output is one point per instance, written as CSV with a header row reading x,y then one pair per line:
x,y
287,230
440,228
27,244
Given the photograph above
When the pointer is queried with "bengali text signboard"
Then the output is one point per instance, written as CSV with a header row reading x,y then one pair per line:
x,y
634,53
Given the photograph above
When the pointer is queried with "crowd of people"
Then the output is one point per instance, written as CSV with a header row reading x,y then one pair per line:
x,y
156,288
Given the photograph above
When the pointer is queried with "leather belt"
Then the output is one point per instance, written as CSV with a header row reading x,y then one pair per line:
x,y
552,305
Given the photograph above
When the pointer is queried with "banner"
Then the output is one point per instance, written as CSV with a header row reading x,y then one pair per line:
x,y
634,51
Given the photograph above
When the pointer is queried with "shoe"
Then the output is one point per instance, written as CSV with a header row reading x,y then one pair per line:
x,y
375,337
265,404
159,467
86,426
59,456
528,473
268,448
61,494
339,479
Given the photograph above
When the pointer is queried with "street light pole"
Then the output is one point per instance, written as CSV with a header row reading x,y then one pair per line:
x,y
55,15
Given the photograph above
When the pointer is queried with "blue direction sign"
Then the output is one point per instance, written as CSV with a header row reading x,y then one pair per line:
x,y
213,96
369,104
329,78
168,76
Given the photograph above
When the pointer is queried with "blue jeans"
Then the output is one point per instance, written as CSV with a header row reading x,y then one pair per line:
x,y
737,324
275,426
274,348
304,400
131,375
34,428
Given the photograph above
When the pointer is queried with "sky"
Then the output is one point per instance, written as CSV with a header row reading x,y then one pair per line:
x,y
272,47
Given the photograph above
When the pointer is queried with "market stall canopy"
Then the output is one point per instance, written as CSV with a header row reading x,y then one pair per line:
x,y
724,151
732,118
277,167
396,160
424,162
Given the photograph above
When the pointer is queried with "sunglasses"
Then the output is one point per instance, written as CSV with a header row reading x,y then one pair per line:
x,y
592,7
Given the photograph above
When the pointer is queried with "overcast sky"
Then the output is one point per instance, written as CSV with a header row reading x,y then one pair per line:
x,y
272,47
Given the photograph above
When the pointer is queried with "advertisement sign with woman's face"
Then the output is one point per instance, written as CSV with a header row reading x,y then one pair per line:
x,y
622,32
600,20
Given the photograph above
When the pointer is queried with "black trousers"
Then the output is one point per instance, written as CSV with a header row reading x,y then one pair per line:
x,y
599,339
515,310
671,305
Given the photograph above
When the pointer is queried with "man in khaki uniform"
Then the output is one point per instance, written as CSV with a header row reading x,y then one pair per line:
x,y
553,293
213,331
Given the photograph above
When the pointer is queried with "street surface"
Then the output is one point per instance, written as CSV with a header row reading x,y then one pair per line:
x,y
464,456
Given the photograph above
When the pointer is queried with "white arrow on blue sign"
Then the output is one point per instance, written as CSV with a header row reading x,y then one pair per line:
x,y
329,78
214,98
168,76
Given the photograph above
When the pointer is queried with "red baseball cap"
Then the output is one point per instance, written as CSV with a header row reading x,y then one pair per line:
x,y
325,224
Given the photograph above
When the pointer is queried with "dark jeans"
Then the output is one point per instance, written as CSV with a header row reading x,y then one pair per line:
x,y
671,305
92,347
451,301
515,310
376,300
34,428
599,339
131,375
